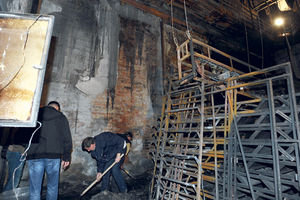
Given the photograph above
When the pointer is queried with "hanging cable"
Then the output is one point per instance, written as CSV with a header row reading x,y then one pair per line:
x,y
247,46
172,22
241,16
186,22
23,158
261,43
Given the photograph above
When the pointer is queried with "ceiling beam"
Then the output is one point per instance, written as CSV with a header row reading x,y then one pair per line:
x,y
264,5
161,15
153,11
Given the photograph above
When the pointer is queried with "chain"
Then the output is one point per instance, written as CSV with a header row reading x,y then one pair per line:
x,y
186,22
173,32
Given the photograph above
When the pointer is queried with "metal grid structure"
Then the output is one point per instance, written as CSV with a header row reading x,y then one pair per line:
x,y
179,152
225,134
263,146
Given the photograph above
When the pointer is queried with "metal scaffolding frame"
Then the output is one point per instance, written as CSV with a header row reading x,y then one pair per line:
x,y
227,134
263,153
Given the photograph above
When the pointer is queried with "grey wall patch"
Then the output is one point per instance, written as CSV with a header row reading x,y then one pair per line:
x,y
50,7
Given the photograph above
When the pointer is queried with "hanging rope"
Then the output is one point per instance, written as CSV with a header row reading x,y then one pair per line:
x,y
172,21
186,22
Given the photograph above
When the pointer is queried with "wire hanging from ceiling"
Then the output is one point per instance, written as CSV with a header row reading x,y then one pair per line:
x,y
261,42
186,22
241,16
247,45
172,22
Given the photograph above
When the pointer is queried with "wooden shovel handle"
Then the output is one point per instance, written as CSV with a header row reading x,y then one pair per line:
x,y
95,181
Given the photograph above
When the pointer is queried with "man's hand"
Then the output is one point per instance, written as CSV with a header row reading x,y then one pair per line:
x,y
118,157
99,176
65,164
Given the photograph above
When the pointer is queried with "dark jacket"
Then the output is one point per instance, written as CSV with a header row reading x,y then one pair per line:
x,y
107,146
53,140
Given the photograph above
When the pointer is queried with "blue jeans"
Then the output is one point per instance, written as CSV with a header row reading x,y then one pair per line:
x,y
13,159
36,171
116,172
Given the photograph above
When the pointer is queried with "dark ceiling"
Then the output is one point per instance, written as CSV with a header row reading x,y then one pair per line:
x,y
226,23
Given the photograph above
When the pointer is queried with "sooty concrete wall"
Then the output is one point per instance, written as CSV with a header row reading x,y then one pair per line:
x,y
104,67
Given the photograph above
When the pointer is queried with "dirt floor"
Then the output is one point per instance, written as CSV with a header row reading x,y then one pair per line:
x,y
73,184
138,189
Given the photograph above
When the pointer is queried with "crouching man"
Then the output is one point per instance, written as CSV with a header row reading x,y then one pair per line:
x,y
106,148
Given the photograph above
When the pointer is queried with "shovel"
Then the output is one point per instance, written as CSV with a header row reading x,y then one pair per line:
x,y
95,181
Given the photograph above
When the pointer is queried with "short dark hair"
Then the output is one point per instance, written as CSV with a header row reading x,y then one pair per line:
x,y
129,134
54,103
87,142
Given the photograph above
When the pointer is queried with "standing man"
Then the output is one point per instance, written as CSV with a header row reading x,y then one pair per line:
x,y
51,144
107,148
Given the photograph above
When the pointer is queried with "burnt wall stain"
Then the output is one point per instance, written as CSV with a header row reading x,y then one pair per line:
x,y
154,73
75,21
94,57
139,35
136,36
110,95
105,19
139,42
138,58
132,40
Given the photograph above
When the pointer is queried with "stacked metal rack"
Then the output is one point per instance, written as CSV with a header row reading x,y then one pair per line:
x,y
263,145
227,134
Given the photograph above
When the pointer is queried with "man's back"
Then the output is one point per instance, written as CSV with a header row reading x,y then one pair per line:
x,y
51,148
53,139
